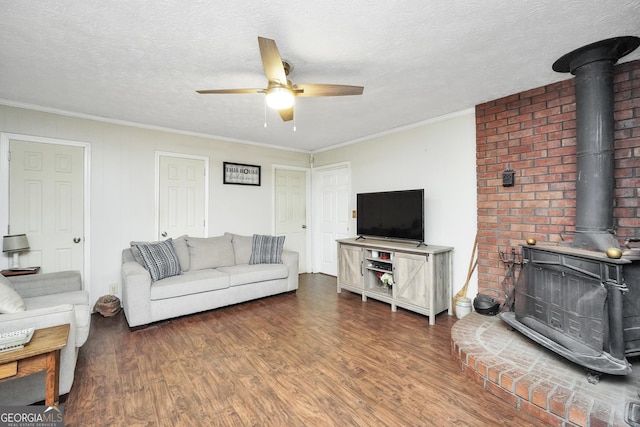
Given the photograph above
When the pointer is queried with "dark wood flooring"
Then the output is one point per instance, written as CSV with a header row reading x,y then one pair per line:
x,y
309,358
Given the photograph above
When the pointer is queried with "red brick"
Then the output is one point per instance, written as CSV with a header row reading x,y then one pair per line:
x,y
568,118
503,394
523,387
542,121
578,411
552,114
541,392
541,414
601,415
554,127
558,401
493,373
533,92
509,378
520,118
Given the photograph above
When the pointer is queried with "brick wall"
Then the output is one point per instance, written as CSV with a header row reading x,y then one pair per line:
x,y
534,133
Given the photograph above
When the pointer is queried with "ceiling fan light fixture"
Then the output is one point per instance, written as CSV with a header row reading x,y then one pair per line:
x,y
279,98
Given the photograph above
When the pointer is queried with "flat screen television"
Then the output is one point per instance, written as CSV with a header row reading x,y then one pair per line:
x,y
396,215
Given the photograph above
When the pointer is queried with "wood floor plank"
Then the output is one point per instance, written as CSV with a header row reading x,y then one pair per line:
x,y
309,358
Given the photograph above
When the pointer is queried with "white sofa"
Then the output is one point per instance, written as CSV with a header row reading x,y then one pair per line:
x,y
45,300
213,272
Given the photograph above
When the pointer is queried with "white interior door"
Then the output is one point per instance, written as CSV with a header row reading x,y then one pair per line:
x,y
182,196
291,211
46,202
331,215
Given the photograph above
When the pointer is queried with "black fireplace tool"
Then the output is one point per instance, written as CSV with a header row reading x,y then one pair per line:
x,y
509,281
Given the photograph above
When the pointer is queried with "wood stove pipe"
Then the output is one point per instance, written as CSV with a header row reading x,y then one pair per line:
x,y
593,67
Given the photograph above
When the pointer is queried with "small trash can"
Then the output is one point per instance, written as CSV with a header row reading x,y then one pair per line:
x,y
463,307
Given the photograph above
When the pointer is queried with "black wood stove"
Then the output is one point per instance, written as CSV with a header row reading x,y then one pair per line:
x,y
574,299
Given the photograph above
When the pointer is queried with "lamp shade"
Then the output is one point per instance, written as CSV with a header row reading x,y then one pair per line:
x,y
15,243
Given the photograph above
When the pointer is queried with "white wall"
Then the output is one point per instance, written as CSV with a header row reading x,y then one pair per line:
x,y
439,156
122,182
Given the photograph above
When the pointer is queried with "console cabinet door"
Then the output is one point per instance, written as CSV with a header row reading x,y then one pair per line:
x,y
350,266
410,272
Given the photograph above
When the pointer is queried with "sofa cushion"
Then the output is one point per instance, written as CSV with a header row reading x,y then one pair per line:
x,y
190,282
243,274
179,246
267,249
242,247
72,297
182,250
210,252
10,300
160,259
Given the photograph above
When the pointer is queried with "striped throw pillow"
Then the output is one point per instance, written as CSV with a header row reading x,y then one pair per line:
x,y
160,259
267,249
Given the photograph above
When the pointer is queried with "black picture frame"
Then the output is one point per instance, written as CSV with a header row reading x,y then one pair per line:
x,y
240,174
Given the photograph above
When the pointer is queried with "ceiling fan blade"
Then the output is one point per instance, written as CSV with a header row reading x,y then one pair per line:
x,y
272,61
327,90
286,114
208,91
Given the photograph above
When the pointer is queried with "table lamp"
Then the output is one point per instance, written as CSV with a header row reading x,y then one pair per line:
x,y
14,244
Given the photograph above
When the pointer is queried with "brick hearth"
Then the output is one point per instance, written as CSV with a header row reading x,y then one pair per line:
x,y
536,380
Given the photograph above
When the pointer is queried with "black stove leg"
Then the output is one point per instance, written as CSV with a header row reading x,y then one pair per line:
x,y
593,377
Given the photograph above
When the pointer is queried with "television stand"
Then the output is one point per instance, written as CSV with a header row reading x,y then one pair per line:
x,y
416,278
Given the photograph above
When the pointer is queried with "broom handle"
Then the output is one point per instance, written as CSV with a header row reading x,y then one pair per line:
x,y
466,284
472,266
473,262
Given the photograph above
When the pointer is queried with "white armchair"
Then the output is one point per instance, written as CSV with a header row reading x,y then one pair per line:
x,y
51,299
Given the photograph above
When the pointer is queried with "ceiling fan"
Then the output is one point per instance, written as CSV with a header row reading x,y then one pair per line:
x,y
280,92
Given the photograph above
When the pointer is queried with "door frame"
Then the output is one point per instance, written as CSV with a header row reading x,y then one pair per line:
x,y
308,210
158,154
5,138
317,239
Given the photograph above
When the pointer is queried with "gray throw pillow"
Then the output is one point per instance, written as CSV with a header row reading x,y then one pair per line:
x,y
159,259
210,252
242,247
179,246
267,249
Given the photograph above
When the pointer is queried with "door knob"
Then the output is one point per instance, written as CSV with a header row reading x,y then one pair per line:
x,y
304,226
164,234
76,240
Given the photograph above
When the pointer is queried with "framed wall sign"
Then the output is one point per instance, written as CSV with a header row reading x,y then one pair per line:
x,y
241,174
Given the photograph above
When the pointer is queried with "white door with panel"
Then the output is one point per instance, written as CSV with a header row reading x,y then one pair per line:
x,y
331,215
46,202
291,212
181,196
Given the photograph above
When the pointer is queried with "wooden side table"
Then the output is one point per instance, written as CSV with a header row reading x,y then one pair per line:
x,y
42,353
20,272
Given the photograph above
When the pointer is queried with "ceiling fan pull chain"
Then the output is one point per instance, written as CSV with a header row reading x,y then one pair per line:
x,y
265,111
294,116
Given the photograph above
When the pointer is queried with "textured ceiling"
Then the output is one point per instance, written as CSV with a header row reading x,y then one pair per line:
x,y
141,61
